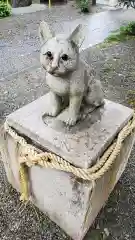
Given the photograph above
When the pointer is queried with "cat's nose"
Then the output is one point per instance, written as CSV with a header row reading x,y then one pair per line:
x,y
52,69
54,66
55,63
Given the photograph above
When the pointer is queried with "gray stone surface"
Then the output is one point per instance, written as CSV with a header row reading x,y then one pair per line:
x,y
82,144
67,200
18,88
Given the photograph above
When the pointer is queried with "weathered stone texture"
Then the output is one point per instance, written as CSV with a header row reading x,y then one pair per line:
x,y
69,201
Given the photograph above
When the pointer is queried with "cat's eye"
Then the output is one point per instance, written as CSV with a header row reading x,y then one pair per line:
x,y
49,55
64,57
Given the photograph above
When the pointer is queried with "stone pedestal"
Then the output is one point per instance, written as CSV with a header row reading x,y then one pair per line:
x,y
67,200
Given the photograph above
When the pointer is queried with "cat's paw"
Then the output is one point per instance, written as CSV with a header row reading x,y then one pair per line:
x,y
71,120
68,119
52,112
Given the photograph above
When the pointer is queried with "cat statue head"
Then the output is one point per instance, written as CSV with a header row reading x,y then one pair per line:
x,y
59,54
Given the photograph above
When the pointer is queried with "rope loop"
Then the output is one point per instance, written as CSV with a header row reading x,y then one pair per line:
x,y
30,156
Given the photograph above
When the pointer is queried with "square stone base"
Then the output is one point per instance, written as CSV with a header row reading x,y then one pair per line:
x,y
68,201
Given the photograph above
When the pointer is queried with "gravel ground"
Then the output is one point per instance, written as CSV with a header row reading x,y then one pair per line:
x,y
115,65
19,41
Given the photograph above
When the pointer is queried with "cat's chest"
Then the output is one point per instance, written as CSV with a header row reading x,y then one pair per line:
x,y
57,84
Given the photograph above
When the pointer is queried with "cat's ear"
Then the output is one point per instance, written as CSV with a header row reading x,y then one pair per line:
x,y
44,32
76,36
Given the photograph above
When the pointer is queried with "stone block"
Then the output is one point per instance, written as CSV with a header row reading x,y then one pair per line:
x,y
69,201
80,145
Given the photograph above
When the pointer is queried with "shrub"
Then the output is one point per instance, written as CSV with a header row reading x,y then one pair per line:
x,y
83,5
5,9
129,29
124,33
127,3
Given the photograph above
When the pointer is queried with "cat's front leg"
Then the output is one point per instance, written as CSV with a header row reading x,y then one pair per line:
x,y
70,116
52,104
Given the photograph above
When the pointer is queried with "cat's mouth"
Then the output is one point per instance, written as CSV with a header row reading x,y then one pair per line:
x,y
54,74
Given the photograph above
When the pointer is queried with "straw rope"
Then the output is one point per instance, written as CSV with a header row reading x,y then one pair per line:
x,y
30,156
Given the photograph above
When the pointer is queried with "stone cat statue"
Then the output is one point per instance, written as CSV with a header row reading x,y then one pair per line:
x,y
71,81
